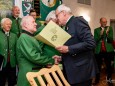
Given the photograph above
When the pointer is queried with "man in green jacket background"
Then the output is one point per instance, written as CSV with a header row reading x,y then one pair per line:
x,y
16,28
103,36
48,49
8,51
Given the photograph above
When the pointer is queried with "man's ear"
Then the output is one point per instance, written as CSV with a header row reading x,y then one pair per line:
x,y
64,13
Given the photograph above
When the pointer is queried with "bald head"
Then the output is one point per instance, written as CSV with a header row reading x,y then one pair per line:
x,y
28,24
16,11
103,22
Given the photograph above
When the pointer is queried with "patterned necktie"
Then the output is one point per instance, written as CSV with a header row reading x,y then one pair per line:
x,y
8,52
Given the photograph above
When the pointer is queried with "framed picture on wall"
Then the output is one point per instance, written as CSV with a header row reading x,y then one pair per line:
x,y
5,8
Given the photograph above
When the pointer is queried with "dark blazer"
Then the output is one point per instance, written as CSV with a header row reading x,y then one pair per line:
x,y
79,63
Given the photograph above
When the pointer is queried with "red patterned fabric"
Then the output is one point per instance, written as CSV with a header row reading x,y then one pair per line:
x,y
103,48
113,43
8,59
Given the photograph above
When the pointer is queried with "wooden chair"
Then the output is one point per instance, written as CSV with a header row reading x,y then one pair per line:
x,y
53,77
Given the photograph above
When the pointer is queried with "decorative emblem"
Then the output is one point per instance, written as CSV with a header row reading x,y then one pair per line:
x,y
54,38
26,6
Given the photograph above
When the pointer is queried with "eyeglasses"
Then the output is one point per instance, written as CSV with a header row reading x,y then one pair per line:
x,y
58,14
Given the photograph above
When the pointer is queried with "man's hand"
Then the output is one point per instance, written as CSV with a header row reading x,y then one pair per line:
x,y
62,49
101,33
107,31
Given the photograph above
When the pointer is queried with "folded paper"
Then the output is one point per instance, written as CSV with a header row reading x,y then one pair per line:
x,y
53,35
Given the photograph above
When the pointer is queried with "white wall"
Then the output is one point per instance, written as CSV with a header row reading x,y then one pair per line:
x,y
98,9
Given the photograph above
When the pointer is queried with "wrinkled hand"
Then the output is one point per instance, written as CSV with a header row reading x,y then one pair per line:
x,y
107,31
62,49
57,59
101,33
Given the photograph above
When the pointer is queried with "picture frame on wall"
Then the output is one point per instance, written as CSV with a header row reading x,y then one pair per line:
x,y
5,8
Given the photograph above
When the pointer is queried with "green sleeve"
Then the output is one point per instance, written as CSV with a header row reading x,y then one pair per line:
x,y
34,53
110,35
97,35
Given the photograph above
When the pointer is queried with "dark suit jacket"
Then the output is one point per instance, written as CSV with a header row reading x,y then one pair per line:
x,y
79,64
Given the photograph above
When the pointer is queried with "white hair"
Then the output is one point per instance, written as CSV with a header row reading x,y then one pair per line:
x,y
51,15
5,19
24,20
63,7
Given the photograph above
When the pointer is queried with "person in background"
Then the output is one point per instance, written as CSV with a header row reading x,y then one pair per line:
x,y
30,55
34,15
16,28
79,65
8,52
51,51
103,36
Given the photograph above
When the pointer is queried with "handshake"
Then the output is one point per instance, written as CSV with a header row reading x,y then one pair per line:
x,y
57,59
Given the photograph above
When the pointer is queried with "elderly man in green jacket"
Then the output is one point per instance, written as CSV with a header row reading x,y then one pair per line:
x,y
30,55
8,52
47,48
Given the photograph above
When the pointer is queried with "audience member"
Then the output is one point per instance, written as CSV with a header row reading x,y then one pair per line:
x,y
16,28
48,49
103,36
34,15
8,52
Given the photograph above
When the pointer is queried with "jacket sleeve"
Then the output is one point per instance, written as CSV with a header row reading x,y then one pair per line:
x,y
86,40
33,53
110,35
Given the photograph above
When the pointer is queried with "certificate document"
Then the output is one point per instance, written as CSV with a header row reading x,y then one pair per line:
x,y
53,35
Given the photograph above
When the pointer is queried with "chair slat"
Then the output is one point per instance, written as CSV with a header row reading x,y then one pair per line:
x,y
49,74
41,81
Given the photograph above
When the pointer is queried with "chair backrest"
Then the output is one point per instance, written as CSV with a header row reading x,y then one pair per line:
x,y
53,77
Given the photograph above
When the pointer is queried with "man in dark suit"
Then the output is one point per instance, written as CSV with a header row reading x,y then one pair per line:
x,y
79,65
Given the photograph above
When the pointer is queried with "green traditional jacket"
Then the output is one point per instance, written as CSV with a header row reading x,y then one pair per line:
x,y
107,39
16,27
47,49
30,57
4,48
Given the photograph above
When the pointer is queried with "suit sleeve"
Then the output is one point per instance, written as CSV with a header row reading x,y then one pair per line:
x,y
86,40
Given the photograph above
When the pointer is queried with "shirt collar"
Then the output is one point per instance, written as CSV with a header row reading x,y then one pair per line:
x,y
24,31
69,19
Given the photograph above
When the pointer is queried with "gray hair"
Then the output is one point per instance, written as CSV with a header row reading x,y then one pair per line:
x,y
51,15
5,19
24,20
63,7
